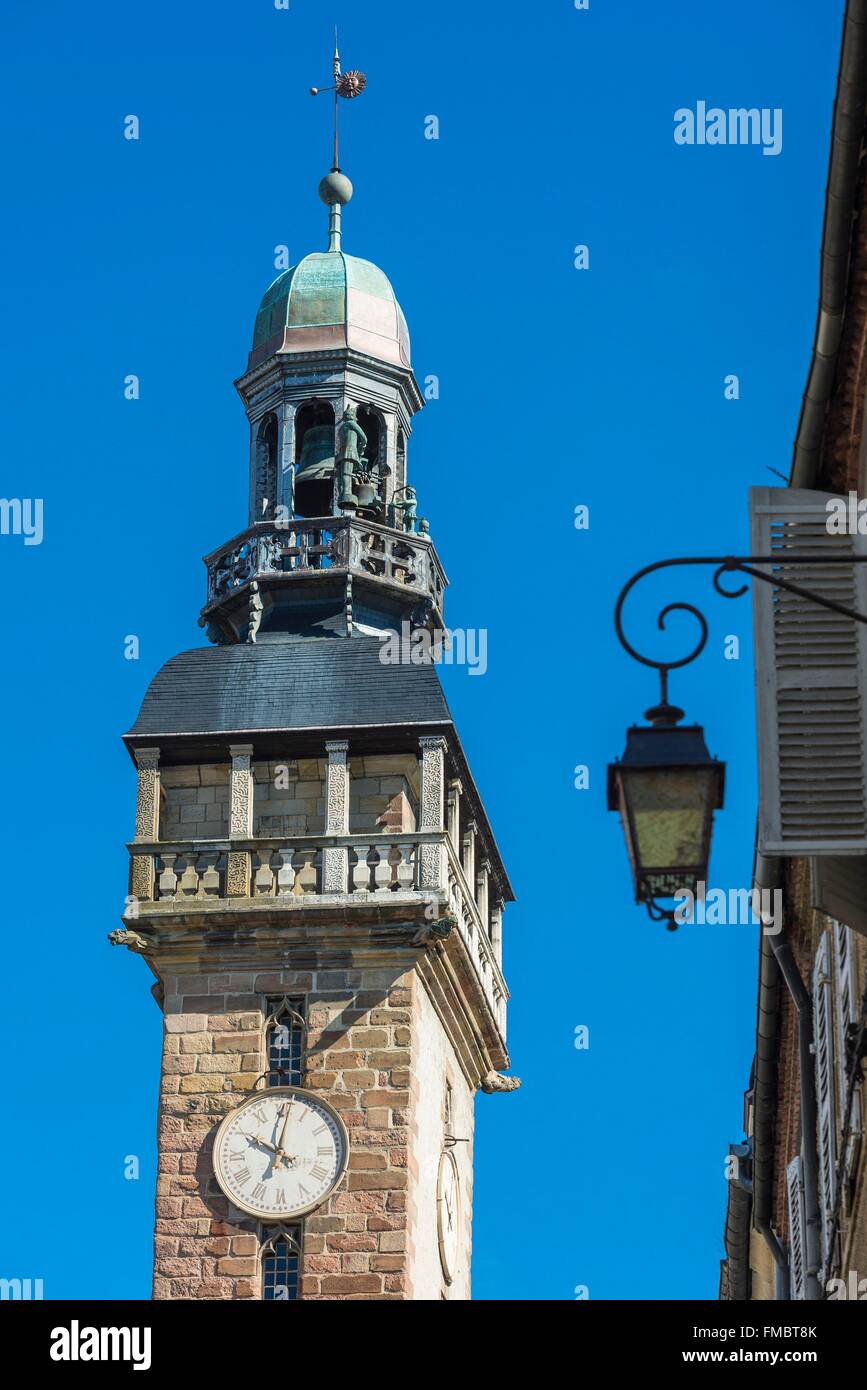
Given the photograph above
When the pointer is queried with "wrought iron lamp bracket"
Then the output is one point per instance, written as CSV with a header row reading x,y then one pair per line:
x,y
664,713
725,564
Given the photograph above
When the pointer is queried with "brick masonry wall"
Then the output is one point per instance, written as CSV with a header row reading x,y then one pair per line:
x,y
360,1057
841,469
800,933
356,1245
195,802
383,793
289,797
435,1068
844,426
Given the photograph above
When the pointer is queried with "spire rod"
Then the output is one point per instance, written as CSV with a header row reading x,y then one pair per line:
x,y
335,189
334,227
336,164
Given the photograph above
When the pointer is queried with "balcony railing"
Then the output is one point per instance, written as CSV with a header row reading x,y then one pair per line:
x,y
284,873
198,869
341,544
463,907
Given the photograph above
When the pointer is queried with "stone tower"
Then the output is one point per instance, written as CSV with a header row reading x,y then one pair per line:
x,y
314,882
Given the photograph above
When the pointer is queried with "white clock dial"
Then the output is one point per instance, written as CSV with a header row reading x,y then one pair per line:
x,y
280,1153
448,1214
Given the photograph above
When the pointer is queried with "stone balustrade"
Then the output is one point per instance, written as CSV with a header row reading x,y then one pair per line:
x,y
474,934
278,873
444,860
197,869
338,543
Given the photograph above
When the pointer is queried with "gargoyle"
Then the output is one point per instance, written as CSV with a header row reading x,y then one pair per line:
x,y
434,931
495,1081
130,939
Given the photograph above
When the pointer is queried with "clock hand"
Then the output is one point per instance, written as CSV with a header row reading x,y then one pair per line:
x,y
449,1211
280,1151
279,1159
285,1126
257,1139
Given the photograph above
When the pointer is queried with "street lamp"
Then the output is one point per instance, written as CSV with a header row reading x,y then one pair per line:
x,y
667,786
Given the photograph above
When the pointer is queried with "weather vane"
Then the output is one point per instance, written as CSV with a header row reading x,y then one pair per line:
x,y
346,84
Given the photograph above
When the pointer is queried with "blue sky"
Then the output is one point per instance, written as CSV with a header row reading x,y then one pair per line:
x,y
557,387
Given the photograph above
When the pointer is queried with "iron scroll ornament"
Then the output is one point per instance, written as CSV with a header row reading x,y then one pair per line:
x,y
725,564
667,715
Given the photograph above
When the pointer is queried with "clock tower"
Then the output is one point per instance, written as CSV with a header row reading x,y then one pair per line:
x,y
313,880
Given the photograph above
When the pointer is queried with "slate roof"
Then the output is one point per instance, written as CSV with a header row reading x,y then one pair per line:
x,y
295,683
278,685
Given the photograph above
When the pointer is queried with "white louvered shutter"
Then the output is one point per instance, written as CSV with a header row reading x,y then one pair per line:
x,y
848,1012
823,1042
811,666
797,1226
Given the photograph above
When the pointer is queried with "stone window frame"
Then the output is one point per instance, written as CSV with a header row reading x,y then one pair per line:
x,y
269,1236
294,1007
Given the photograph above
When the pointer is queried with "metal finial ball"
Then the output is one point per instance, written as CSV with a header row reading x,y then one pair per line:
x,y
335,188
314,91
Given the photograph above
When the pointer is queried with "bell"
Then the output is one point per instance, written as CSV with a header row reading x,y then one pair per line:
x,y
364,490
317,455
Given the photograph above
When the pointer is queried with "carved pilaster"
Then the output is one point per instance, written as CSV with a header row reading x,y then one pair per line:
x,y
240,819
497,930
468,853
147,821
482,878
432,783
287,456
390,459
431,804
335,858
141,883
453,814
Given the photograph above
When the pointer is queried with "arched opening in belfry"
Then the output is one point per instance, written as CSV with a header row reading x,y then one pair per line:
x,y
314,459
400,470
375,469
267,437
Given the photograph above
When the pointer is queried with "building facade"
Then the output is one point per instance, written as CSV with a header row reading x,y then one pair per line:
x,y
796,1220
314,882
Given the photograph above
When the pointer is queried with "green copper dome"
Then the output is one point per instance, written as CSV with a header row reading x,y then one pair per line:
x,y
331,300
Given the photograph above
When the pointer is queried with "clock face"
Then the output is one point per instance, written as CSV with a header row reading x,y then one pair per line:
x,y
448,1214
280,1153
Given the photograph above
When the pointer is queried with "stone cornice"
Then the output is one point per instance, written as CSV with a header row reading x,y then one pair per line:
x,y
345,359
241,934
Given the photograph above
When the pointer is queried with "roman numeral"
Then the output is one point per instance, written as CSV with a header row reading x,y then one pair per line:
x,y
302,1191
324,1151
242,1176
259,1115
280,1199
320,1129
258,1192
318,1172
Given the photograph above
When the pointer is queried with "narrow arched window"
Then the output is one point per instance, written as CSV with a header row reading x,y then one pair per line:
x,y
314,459
375,472
266,467
281,1265
285,1041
